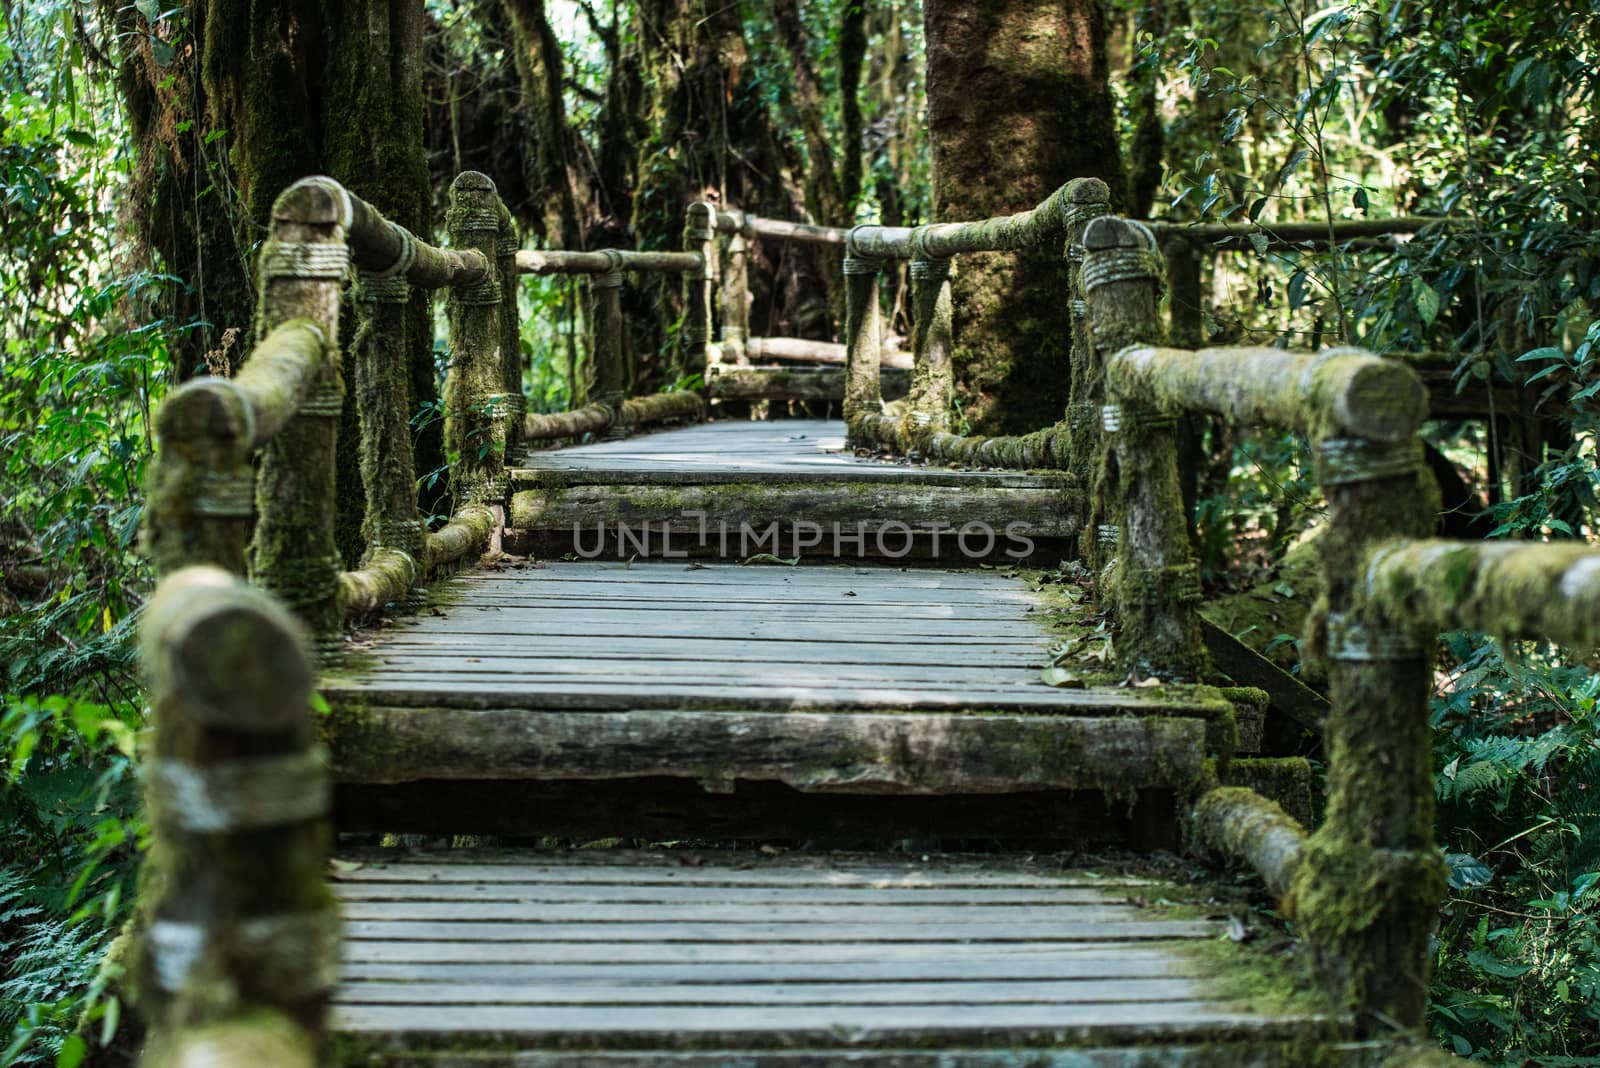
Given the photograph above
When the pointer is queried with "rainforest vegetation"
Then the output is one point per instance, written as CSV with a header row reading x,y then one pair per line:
x,y
142,144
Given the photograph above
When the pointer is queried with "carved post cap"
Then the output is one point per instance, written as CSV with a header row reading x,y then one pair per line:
x,y
209,413
1088,191
317,200
474,181
237,656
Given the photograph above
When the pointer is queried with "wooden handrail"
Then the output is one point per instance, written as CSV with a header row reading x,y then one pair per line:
x,y
749,226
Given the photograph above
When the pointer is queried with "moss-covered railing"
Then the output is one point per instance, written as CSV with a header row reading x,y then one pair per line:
x,y
600,404
744,366
244,477
1363,889
235,952
924,425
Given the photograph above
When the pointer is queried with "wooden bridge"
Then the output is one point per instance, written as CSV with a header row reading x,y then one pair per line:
x,y
763,634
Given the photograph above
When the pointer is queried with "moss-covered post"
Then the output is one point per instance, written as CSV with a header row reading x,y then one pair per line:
x,y
932,339
735,301
237,928
475,393
1372,880
699,237
384,404
863,391
302,267
199,503
1121,281
610,374
506,244
1157,587
1087,200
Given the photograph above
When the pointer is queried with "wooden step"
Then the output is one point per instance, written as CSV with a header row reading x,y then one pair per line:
x,y
657,699
837,960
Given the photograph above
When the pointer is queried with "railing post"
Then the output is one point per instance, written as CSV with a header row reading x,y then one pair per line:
x,y
1087,200
240,935
863,391
516,401
735,301
475,390
1368,893
1155,583
200,503
302,267
699,237
610,375
932,374
383,392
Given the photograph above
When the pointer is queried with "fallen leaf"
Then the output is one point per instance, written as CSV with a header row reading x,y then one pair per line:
x,y
1145,684
849,593
695,567
768,558
1237,931
1060,678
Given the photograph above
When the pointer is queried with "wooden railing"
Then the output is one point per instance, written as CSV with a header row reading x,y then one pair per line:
x,y
239,934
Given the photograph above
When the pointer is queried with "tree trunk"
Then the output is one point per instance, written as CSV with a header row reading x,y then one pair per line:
x,y
280,90
1018,104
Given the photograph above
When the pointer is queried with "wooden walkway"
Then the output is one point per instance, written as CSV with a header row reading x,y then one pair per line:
x,y
649,958
798,450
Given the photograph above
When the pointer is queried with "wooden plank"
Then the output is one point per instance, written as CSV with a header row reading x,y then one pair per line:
x,y
508,931
834,609
396,667
847,753
1120,963
486,890
793,912
446,694
1248,1053
1013,654
931,954
951,992
633,869
812,1024
843,617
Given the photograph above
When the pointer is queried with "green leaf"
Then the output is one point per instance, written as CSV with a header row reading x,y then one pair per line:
x,y
73,1051
1258,241
1485,961
1426,299
1360,199
150,9
1060,678
1255,208
1546,353
770,560
1298,284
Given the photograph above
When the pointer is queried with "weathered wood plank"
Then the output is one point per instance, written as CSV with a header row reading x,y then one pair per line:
x,y
634,869
446,694
795,1025
952,992
996,654
1236,1054
915,953
795,911
849,753
567,893
1120,962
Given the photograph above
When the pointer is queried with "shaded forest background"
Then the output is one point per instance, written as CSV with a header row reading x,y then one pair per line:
x,y
141,145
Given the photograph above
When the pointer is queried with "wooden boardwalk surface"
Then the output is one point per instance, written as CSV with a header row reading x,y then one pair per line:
x,y
798,450
641,952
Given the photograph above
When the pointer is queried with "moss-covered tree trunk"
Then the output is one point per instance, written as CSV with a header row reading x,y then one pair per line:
x,y
1018,104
